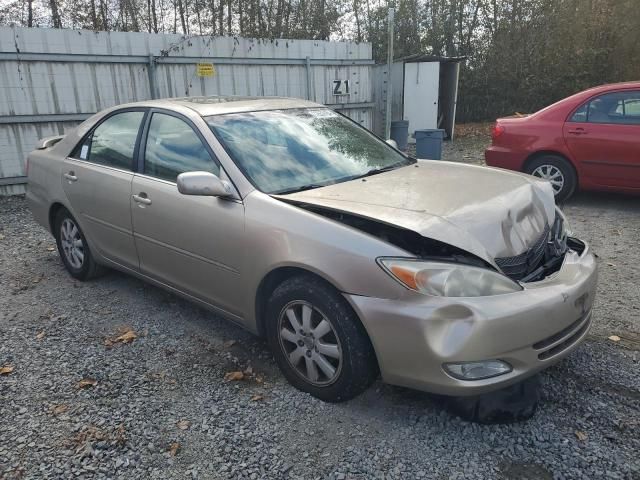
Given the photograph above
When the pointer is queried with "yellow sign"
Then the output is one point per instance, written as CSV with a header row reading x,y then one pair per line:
x,y
205,70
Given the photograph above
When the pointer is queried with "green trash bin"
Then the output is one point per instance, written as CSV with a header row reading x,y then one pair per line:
x,y
429,143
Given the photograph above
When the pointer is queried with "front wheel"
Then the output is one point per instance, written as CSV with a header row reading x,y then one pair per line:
x,y
318,341
558,172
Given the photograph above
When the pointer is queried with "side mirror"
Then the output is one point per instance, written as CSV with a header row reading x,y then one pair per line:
x,y
203,183
392,142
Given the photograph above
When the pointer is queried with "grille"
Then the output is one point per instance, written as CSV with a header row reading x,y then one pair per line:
x,y
519,266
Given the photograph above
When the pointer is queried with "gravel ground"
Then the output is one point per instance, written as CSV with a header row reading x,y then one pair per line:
x,y
86,399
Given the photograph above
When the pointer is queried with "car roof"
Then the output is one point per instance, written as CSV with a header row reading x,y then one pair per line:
x,y
222,104
612,86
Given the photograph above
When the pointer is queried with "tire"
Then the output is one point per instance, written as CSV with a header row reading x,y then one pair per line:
x,y
77,259
515,403
554,167
343,335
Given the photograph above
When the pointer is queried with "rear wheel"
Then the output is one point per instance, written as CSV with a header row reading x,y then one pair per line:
x,y
557,171
73,247
318,341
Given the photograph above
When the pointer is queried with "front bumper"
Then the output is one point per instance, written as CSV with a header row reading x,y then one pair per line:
x,y
415,335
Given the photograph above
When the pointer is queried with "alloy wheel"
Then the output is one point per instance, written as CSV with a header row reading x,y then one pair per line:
x,y
552,174
310,343
72,244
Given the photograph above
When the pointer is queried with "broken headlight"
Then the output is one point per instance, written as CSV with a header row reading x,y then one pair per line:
x,y
448,279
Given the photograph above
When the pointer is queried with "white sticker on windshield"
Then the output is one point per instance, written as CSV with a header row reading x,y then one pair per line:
x,y
84,151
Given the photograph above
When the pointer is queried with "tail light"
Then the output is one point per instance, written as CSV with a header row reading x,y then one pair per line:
x,y
496,131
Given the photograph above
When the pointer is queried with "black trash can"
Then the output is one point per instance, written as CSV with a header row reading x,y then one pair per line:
x,y
429,143
400,133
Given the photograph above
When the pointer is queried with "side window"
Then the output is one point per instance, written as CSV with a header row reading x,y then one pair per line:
x,y
617,107
173,148
113,141
580,115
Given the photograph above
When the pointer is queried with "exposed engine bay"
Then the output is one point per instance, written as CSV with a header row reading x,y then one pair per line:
x,y
542,259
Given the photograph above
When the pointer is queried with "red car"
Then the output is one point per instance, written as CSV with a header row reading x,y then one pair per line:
x,y
590,140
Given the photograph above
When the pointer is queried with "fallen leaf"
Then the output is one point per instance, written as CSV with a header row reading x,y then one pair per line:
x,y
58,409
124,335
183,424
257,398
611,264
173,449
614,338
90,434
50,249
234,376
127,337
229,343
121,437
6,370
1,237
581,435
40,335
87,382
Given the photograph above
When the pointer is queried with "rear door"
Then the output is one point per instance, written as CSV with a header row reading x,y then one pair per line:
x,y
603,135
193,243
97,180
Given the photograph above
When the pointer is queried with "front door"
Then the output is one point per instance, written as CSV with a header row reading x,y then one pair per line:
x,y
603,135
97,180
192,243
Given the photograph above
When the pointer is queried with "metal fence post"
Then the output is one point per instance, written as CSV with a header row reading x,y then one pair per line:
x,y
387,118
152,77
308,68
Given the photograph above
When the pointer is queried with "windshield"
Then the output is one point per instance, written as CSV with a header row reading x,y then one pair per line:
x,y
289,150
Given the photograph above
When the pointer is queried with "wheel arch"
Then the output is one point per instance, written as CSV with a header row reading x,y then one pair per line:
x,y
542,153
275,277
270,282
53,211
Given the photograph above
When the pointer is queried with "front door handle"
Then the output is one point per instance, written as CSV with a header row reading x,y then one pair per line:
x,y
141,198
71,176
577,131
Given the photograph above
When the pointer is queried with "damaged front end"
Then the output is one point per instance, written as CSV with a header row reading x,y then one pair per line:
x,y
544,257
413,242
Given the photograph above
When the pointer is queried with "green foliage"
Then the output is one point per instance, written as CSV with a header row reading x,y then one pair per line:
x,y
521,54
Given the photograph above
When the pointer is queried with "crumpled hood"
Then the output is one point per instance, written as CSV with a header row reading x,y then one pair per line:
x,y
489,212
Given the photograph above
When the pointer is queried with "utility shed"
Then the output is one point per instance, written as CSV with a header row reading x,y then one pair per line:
x,y
424,91
52,79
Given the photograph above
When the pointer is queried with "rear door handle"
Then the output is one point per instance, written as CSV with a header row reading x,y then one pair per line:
x,y
141,198
71,177
578,131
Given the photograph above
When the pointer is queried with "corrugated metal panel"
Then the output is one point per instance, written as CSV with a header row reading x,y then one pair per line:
x,y
16,141
36,82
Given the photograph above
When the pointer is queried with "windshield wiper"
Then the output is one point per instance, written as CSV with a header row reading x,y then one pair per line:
x,y
376,171
301,188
